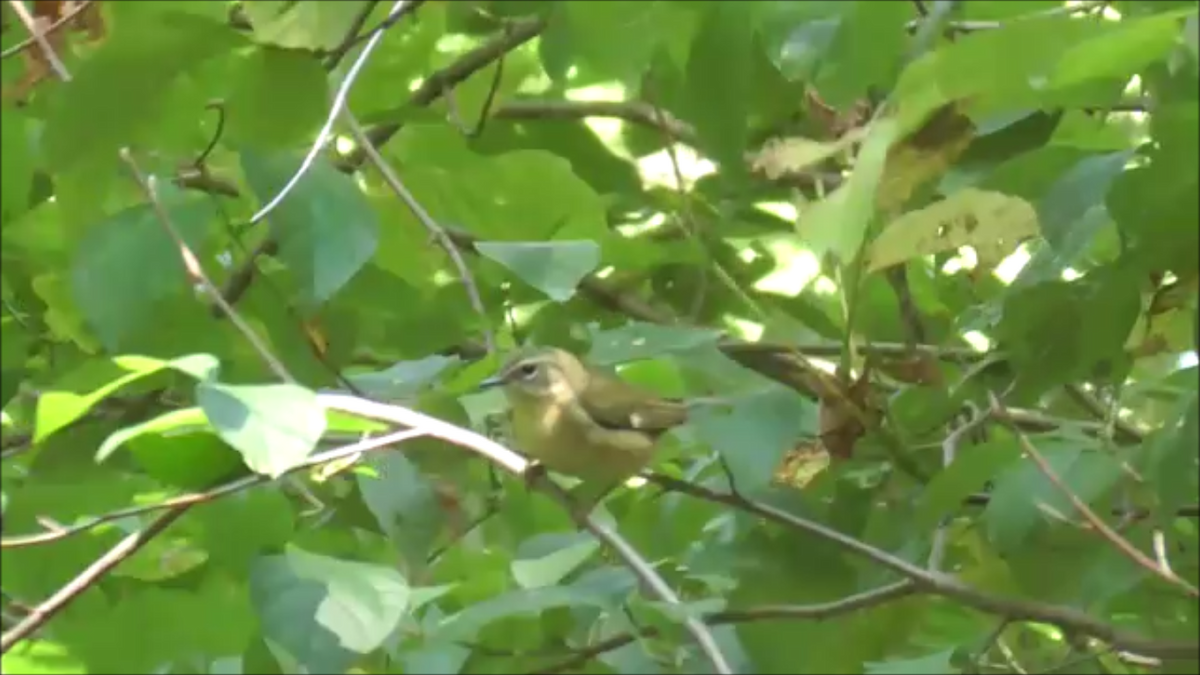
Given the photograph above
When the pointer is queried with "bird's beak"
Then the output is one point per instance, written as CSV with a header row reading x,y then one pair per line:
x,y
493,381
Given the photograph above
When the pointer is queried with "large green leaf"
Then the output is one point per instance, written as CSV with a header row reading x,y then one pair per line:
x,y
325,226
125,265
16,165
718,80
405,504
326,612
546,559
277,99
104,108
274,426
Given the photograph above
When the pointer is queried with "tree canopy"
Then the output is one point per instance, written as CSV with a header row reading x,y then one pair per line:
x,y
936,262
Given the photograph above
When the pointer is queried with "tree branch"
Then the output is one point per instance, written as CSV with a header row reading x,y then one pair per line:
x,y
942,584
816,611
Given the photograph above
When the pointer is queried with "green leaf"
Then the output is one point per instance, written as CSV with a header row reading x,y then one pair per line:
x,y
405,504
585,31
636,340
1121,52
239,529
326,228
1062,209
554,268
468,622
547,559
838,224
1172,457
1022,490
73,395
44,656
184,420
274,426
326,612
1059,331
968,474
402,379
302,25
278,98
16,165
104,108
128,263
753,437
717,86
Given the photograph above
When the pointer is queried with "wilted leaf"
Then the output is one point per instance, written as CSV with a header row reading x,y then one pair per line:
x,y
994,223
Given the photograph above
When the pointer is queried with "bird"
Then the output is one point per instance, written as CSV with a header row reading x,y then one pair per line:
x,y
579,421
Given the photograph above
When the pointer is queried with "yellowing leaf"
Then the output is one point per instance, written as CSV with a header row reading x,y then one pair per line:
x,y
990,222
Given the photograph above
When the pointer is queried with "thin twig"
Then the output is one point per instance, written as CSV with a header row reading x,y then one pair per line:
x,y
435,230
40,38
196,271
339,101
231,487
515,35
816,611
943,584
1121,543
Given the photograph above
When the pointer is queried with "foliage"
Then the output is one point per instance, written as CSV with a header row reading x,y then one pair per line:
x,y
939,259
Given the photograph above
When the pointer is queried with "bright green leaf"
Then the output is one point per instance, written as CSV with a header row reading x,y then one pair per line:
x,y
636,340
183,421
274,426
403,378
75,394
1121,52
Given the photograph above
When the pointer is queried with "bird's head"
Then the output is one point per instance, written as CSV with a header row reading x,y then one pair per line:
x,y
540,374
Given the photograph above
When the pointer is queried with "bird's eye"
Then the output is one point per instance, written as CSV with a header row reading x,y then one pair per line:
x,y
527,370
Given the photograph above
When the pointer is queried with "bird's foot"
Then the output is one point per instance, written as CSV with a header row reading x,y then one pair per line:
x,y
534,471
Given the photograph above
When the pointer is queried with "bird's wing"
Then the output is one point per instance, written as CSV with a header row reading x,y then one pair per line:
x,y
650,414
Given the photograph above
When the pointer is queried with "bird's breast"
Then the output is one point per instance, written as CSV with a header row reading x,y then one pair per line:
x,y
566,441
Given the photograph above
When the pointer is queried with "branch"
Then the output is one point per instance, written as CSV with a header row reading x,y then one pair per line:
x,y
518,33
194,498
942,584
43,43
635,112
196,272
816,611
84,580
435,231
1120,543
